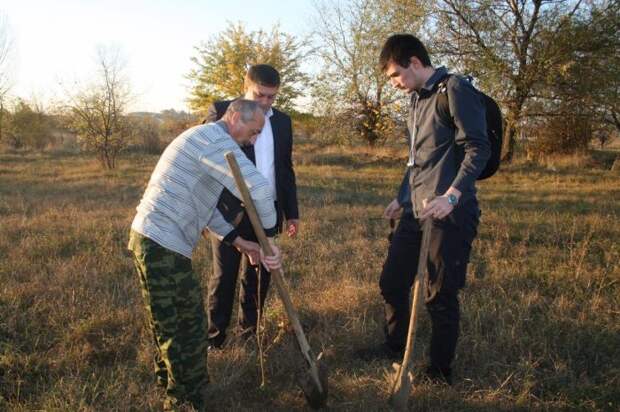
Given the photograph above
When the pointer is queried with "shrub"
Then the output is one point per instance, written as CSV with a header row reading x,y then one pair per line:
x,y
561,134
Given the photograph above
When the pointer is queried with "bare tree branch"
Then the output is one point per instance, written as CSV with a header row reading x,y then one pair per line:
x,y
97,111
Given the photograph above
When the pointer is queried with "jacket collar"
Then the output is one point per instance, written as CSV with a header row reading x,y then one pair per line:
x,y
221,123
432,81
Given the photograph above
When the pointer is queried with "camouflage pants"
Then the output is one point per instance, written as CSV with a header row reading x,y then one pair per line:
x,y
173,300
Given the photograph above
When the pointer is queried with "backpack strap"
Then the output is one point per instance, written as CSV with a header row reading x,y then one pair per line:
x,y
442,97
443,106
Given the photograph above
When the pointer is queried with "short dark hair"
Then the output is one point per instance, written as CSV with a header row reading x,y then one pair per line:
x,y
262,74
247,109
399,48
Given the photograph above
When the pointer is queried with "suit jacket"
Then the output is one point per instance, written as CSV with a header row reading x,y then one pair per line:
x,y
286,188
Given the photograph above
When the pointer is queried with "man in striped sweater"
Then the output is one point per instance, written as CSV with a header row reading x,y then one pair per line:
x,y
183,197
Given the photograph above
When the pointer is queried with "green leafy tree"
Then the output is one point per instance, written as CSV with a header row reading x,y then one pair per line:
x,y
351,91
5,78
29,126
508,45
579,99
590,72
223,61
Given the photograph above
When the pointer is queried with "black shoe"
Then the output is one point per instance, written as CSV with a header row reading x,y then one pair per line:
x,y
216,343
161,376
440,376
214,349
161,382
378,352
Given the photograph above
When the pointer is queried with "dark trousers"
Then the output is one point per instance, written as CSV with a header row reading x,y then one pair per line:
x,y
449,251
223,282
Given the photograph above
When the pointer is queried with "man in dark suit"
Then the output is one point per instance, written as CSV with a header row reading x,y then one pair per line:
x,y
271,151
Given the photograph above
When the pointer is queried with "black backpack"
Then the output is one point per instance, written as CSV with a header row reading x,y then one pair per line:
x,y
495,125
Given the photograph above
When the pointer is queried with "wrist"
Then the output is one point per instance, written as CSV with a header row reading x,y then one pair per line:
x,y
452,200
230,238
453,191
453,195
241,244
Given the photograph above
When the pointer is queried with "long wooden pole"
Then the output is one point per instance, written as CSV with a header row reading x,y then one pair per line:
x,y
276,274
401,385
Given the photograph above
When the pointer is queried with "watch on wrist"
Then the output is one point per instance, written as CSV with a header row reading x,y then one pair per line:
x,y
452,200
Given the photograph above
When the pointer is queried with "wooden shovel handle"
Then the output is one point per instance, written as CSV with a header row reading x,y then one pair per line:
x,y
399,383
276,274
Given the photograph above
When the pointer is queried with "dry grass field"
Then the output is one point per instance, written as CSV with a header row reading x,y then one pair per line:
x,y
541,311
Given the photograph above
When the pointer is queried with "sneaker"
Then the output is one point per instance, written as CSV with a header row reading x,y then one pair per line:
x,y
439,376
378,352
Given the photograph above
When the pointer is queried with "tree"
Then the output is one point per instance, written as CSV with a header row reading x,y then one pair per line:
x,y
509,45
590,75
146,132
96,112
174,123
579,100
5,82
29,126
223,61
351,87
607,71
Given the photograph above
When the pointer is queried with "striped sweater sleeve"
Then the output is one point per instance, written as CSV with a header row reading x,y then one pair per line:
x,y
220,227
258,186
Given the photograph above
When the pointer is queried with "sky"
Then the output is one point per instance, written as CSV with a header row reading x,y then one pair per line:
x,y
55,42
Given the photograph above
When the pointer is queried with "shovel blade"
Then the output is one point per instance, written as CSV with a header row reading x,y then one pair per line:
x,y
400,389
315,394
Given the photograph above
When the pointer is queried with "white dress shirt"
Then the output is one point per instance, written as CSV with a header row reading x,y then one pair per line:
x,y
264,152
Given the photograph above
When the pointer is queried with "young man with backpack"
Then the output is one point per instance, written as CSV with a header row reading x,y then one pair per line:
x,y
448,151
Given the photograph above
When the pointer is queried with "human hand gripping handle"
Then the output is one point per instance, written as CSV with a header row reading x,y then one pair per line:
x,y
255,253
272,262
439,207
249,248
